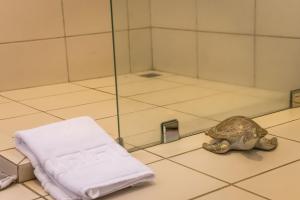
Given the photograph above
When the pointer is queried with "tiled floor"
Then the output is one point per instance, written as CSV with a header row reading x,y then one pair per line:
x,y
184,170
198,104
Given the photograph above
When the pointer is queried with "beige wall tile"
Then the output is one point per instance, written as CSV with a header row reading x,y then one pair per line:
x,y
90,56
98,82
140,50
122,52
175,51
277,17
226,15
31,19
120,14
277,63
83,16
30,64
139,13
226,58
174,13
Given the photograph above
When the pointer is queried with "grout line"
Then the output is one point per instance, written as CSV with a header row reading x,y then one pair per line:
x,y
210,192
133,29
201,31
264,172
233,184
251,192
191,114
11,148
65,40
227,33
30,87
128,39
254,45
32,190
292,140
19,163
41,97
153,162
195,170
151,36
180,154
66,107
88,34
19,102
283,123
69,36
10,161
197,42
32,40
18,116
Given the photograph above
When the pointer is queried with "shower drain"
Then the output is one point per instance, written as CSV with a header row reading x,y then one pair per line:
x,y
150,75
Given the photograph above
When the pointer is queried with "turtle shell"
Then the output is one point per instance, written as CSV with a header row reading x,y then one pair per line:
x,y
235,127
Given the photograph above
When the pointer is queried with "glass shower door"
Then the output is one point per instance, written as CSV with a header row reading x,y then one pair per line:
x,y
176,61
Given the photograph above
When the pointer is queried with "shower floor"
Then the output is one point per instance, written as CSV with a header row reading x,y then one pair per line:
x,y
184,171
144,104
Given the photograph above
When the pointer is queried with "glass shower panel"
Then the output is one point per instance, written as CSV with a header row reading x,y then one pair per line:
x,y
198,62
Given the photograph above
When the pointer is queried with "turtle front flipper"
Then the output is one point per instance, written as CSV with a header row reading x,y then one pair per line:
x,y
219,147
267,144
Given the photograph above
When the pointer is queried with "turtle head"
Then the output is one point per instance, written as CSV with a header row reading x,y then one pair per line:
x,y
211,131
262,132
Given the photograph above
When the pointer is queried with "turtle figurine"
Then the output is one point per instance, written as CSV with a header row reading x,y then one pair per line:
x,y
238,133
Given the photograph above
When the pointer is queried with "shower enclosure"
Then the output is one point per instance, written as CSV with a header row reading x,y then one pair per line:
x,y
199,61
195,62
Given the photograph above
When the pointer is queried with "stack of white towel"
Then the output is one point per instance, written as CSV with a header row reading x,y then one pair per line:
x,y
75,159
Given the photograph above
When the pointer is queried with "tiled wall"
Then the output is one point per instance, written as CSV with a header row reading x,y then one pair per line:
x,y
52,41
249,42
133,16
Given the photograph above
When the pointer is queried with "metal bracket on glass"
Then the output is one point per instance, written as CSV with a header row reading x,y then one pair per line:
x,y
295,98
120,141
170,131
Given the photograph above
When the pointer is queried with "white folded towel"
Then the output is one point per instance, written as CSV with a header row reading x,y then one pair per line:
x,y
75,159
